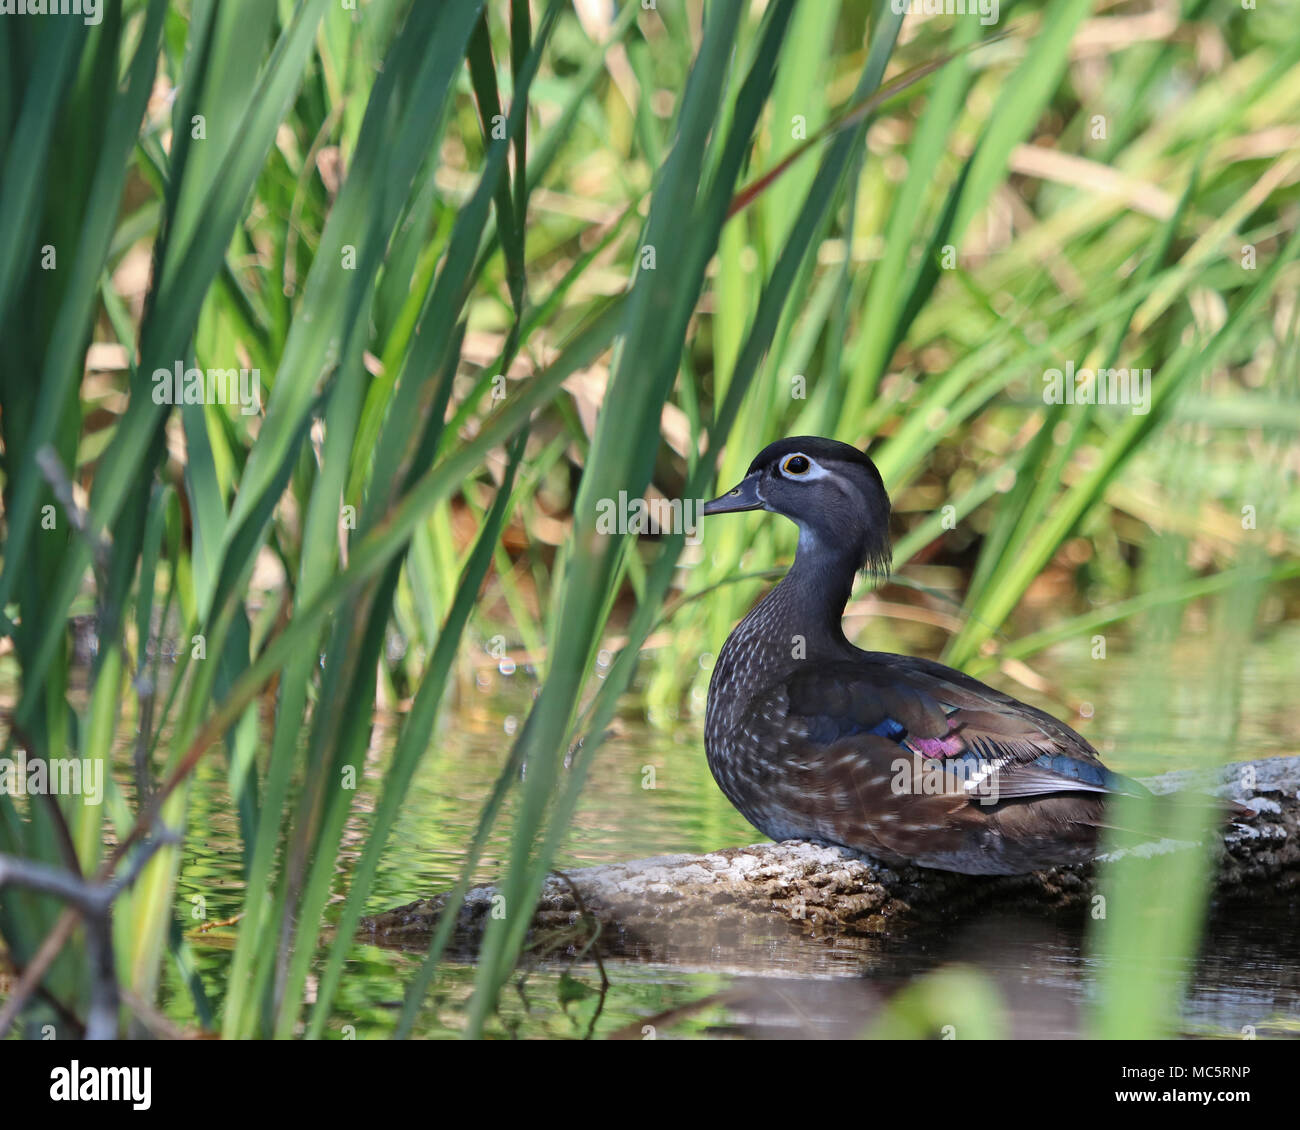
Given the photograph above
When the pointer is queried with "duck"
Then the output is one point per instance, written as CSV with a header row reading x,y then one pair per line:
x,y
900,758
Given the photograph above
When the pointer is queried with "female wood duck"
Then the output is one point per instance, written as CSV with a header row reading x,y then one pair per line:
x,y
905,759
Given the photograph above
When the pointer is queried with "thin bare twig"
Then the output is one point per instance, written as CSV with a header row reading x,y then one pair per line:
x,y
91,901
51,467
590,947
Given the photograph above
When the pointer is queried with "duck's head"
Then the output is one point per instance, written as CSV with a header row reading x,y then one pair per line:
x,y
830,490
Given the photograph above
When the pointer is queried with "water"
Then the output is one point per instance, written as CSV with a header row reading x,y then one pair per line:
x,y
650,793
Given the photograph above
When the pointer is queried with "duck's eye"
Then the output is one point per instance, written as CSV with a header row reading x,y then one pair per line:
x,y
796,465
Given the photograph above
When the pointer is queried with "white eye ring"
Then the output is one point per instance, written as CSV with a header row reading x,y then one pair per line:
x,y
814,470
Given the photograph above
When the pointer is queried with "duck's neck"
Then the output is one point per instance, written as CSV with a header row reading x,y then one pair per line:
x,y
805,611
798,621
821,580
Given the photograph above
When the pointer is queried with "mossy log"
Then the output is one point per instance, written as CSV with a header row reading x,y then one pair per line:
x,y
691,903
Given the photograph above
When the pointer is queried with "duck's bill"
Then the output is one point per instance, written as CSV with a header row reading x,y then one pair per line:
x,y
743,496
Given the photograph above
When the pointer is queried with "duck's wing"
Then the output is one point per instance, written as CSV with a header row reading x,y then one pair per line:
x,y
987,739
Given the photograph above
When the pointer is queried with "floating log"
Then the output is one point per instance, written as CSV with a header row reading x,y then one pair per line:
x,y
693,903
